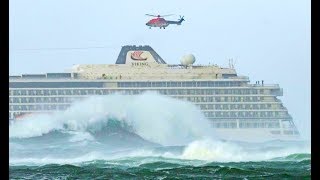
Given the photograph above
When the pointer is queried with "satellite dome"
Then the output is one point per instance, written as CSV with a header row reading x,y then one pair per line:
x,y
187,59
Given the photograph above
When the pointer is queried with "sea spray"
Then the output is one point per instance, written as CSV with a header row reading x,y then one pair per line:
x,y
155,118
213,151
34,125
224,151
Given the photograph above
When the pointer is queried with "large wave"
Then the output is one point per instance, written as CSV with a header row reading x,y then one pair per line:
x,y
125,126
155,118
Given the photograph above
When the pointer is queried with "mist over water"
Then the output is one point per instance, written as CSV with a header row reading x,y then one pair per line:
x,y
134,131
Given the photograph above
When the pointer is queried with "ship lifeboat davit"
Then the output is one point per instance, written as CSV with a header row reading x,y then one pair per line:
x,y
187,60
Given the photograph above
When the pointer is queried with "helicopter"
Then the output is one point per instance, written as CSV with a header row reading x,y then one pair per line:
x,y
160,22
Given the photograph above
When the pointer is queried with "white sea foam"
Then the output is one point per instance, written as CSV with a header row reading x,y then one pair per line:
x,y
155,118
34,125
211,150
81,136
203,151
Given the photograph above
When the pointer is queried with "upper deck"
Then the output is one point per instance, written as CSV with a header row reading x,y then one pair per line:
x,y
143,63
139,63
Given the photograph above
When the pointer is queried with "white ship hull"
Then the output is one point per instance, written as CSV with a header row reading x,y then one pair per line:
x,y
252,135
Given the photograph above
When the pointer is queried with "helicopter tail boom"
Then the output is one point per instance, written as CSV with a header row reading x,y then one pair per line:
x,y
177,22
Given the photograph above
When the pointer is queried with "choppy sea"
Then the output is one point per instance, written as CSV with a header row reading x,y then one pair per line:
x,y
143,137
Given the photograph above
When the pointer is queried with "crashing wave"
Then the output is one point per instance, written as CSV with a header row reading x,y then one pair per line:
x,y
155,118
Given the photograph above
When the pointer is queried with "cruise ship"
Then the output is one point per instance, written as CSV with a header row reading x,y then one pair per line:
x,y
236,109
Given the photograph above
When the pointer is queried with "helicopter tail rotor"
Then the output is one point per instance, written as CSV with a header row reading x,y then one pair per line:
x,y
180,20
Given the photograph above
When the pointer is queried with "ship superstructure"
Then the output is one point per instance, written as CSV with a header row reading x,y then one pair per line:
x,y
236,109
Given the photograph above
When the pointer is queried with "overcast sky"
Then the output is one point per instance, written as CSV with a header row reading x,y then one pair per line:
x,y
268,39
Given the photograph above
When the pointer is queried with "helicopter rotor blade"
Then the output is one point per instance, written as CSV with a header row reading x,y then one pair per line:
x,y
159,15
151,15
167,15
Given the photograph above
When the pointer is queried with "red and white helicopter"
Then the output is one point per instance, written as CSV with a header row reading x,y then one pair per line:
x,y
161,22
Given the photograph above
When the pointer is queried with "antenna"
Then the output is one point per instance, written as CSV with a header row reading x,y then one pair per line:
x,y
234,63
230,63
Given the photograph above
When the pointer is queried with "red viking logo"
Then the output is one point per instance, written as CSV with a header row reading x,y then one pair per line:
x,y
136,55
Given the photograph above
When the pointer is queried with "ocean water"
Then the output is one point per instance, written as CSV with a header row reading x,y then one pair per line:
x,y
143,137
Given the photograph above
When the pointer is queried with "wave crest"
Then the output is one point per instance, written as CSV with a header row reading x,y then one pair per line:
x,y
155,118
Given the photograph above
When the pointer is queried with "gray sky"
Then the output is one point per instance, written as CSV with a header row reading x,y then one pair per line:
x,y
269,39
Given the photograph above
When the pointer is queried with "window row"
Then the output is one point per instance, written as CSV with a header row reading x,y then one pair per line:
x,y
208,99
246,124
48,92
39,107
71,99
180,84
229,99
246,114
210,91
239,106
263,124
43,100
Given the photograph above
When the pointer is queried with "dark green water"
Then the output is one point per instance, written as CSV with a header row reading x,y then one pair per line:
x,y
296,166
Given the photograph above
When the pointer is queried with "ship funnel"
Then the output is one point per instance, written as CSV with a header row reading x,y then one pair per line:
x,y
140,53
